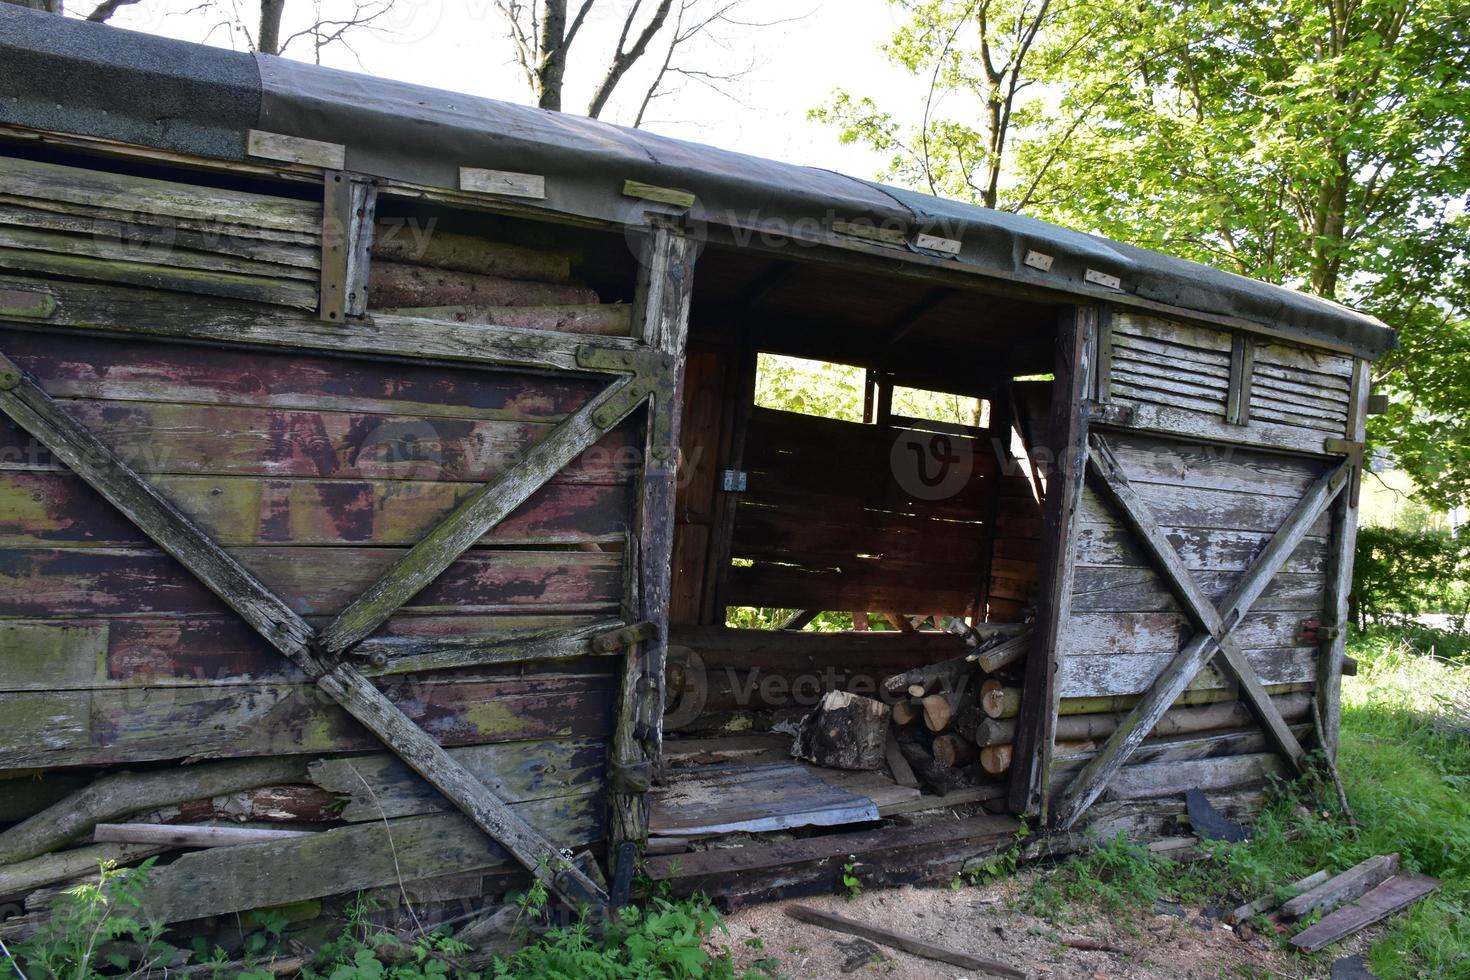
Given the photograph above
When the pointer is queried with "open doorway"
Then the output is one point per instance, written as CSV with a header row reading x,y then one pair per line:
x,y
860,501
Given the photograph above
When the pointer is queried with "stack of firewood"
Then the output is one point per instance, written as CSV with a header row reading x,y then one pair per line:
x,y
424,272
940,710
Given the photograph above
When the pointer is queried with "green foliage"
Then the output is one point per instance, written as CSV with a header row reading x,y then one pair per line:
x,y
96,929
664,939
1115,875
1313,145
1399,572
852,885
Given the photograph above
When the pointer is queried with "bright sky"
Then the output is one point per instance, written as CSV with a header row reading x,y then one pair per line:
x,y
788,68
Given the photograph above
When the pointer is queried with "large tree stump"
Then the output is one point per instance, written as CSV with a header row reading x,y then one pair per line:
x,y
845,732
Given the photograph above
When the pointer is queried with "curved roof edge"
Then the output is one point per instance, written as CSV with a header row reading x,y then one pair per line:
x,y
93,80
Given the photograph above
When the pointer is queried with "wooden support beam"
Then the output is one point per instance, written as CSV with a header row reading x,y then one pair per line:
x,y
661,312
1340,573
389,655
1242,368
739,404
1093,778
480,512
906,321
1035,728
1177,577
118,309
25,402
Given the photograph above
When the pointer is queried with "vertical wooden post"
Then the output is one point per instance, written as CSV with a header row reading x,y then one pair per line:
x,y
665,282
661,309
1242,367
1036,724
1340,571
740,400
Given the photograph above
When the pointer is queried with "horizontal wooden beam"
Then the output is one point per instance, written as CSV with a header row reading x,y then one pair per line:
x,y
120,310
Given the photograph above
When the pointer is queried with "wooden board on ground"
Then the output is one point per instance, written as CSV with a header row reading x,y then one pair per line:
x,y
1396,893
754,799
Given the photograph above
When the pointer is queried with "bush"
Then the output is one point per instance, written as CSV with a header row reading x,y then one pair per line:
x,y
1399,573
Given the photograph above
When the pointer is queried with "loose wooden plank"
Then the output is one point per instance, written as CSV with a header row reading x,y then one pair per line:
x,y
503,183
78,862
1243,913
753,798
1183,506
366,855
181,835
1398,892
442,546
908,944
89,244
120,794
1345,887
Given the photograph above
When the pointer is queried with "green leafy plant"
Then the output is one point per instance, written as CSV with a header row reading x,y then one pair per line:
x,y
852,885
95,929
1399,572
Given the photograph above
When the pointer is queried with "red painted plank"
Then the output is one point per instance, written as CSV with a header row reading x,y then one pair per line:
x,y
42,583
226,440
139,369
55,508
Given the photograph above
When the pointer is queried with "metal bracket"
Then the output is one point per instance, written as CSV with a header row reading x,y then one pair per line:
x,y
1107,413
27,303
644,363
620,639
734,481
1354,452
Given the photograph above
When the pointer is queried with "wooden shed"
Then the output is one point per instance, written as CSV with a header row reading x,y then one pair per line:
x,y
379,468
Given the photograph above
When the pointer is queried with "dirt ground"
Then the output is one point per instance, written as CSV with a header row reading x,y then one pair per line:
x,y
1169,941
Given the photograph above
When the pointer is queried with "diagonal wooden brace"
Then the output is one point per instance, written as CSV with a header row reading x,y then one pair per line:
x,y
1175,677
473,518
29,406
1180,581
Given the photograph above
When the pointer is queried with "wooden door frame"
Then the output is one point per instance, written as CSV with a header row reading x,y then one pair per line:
x,y
1073,385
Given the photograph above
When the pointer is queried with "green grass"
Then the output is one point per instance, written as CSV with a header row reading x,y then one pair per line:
x,y
1405,759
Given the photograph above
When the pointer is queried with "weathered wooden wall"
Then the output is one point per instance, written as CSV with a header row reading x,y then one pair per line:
x,y
316,462
837,516
1220,435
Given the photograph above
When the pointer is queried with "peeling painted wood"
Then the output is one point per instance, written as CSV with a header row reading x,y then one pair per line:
x,y
111,726
348,859
58,510
380,786
114,309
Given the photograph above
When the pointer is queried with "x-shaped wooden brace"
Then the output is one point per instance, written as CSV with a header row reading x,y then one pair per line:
x,y
318,654
1213,625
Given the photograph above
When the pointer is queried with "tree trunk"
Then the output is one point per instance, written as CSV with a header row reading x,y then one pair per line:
x,y
552,47
268,41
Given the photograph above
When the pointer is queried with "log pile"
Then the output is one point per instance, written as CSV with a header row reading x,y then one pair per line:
x,y
955,720
445,276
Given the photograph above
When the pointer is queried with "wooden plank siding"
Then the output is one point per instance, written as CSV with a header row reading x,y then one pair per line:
x,y
315,456
1175,378
836,516
1218,490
